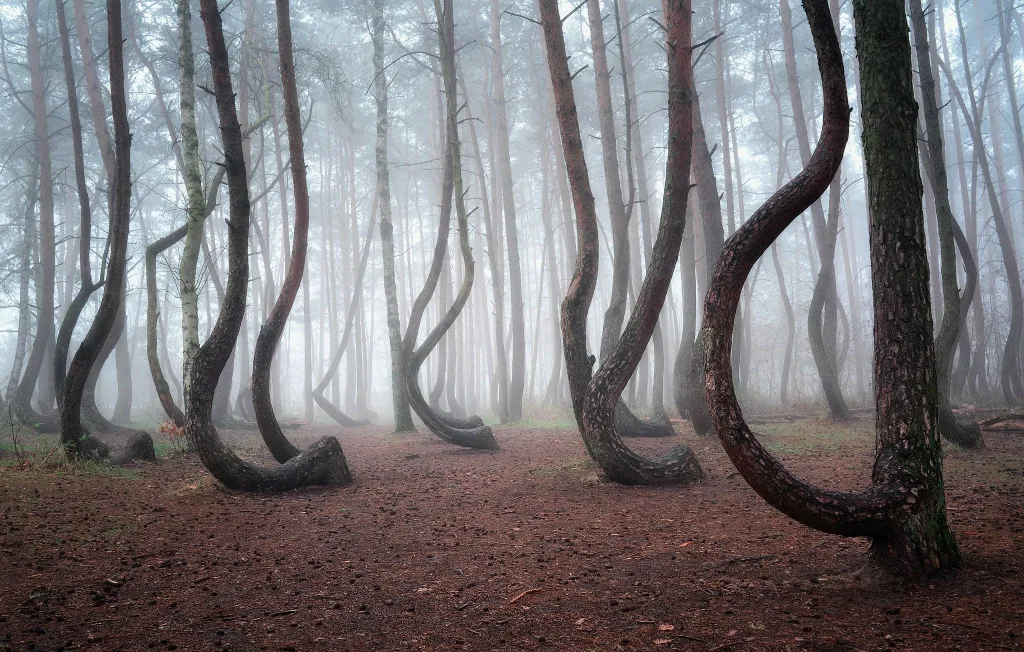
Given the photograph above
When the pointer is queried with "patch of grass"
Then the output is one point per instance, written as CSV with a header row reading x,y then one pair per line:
x,y
537,424
100,469
169,450
568,465
118,529
804,437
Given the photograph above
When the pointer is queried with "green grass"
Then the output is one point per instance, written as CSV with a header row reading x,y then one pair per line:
x,y
802,437
571,464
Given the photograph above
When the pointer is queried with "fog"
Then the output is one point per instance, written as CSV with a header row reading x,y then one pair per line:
x,y
750,67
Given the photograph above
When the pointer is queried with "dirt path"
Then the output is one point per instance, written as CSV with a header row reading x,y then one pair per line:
x,y
435,548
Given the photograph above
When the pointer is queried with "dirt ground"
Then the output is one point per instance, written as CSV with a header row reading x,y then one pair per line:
x,y
435,548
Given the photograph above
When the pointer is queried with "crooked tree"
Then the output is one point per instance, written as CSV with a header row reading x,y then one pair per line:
x,y
903,512
595,395
73,436
323,463
468,432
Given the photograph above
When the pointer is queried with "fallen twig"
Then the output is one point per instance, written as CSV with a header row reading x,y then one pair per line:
x,y
524,593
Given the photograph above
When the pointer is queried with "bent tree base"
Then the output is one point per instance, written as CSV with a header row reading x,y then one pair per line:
x,y
904,510
324,462
627,424
595,400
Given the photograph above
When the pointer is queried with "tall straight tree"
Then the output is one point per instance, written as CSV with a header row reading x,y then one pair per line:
x,y
399,394
595,396
22,401
934,163
517,378
904,510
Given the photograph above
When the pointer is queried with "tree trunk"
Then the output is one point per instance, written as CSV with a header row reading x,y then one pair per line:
x,y
595,401
28,235
327,406
934,163
643,199
323,462
22,400
714,240
1010,374
904,509
403,415
496,261
688,273
74,438
517,378
825,360
74,309
273,328
470,432
830,386
163,390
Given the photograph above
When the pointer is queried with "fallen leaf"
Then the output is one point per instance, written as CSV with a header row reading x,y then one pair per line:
x,y
732,632
662,641
685,544
580,621
665,627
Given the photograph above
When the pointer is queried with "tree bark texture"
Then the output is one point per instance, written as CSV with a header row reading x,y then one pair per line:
x,y
595,398
904,509
323,463
403,415
74,438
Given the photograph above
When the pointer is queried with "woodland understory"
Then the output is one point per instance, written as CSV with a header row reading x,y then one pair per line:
x,y
744,272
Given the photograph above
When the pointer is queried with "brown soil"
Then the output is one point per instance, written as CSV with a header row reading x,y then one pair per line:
x,y
435,548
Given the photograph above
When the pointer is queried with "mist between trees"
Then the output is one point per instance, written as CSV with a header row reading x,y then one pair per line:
x,y
458,216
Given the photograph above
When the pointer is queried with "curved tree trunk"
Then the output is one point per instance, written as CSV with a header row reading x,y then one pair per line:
x,y
163,390
495,260
323,462
326,405
962,368
595,399
1010,375
904,509
74,438
830,385
824,357
470,432
273,328
934,163
74,310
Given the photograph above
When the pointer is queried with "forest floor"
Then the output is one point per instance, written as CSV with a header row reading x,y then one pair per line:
x,y
435,548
